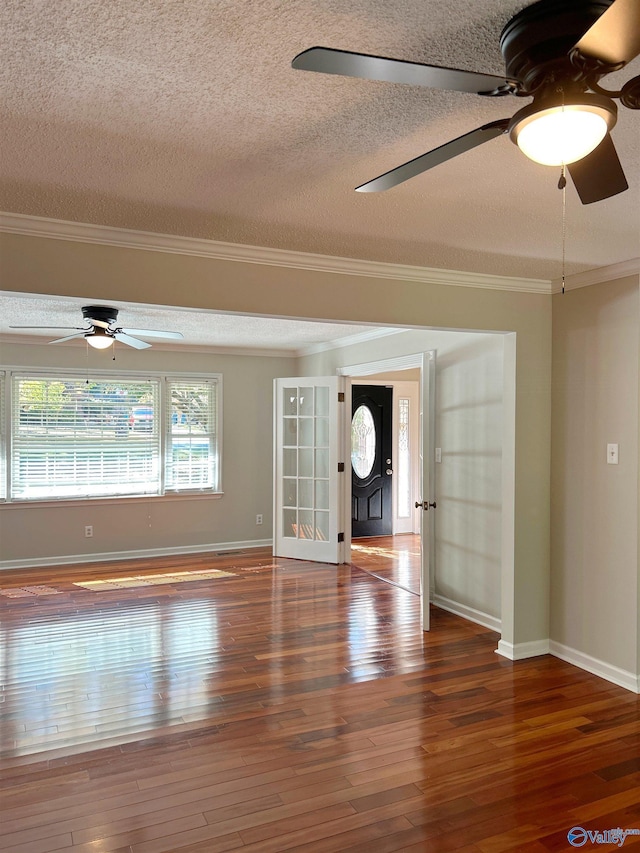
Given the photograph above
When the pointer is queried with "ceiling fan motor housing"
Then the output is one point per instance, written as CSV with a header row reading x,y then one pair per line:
x,y
103,313
537,42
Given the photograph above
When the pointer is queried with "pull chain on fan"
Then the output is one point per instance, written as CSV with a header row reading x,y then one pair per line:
x,y
562,186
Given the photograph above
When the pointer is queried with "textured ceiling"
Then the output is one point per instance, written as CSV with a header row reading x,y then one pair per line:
x,y
186,118
200,328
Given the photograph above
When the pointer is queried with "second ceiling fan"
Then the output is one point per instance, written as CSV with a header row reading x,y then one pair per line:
x,y
555,51
101,330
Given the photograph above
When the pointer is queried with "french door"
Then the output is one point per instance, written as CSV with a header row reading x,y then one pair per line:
x,y
308,497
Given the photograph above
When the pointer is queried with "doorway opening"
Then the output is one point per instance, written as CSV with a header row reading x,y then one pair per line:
x,y
372,456
389,537
386,531
475,420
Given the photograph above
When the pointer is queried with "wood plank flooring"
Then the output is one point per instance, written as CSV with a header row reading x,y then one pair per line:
x,y
292,707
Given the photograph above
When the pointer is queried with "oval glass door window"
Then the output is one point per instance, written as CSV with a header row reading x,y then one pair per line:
x,y
363,441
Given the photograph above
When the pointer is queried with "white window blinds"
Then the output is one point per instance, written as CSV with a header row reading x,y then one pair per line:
x,y
73,437
80,438
191,444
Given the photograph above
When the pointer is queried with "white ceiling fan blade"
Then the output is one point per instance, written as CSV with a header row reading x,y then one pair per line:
x,y
100,323
80,328
132,342
153,333
70,337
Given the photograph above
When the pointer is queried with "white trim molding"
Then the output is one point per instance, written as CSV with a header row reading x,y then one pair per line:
x,y
521,651
107,556
370,368
58,229
607,671
469,613
599,275
614,674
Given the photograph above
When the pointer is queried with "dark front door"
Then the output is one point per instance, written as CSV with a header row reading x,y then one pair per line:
x,y
371,461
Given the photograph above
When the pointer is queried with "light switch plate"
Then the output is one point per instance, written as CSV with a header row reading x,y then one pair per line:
x,y
438,454
612,454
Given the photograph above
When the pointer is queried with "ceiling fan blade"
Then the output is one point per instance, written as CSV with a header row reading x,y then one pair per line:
x,y
326,60
129,341
153,333
599,175
436,157
70,337
615,36
80,328
100,323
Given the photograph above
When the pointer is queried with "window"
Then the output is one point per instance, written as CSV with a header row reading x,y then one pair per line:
x,y
73,437
191,461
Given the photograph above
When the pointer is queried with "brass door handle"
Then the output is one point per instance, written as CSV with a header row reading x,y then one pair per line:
x,y
425,505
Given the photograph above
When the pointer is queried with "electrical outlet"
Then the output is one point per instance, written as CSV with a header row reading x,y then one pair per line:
x,y
88,531
258,519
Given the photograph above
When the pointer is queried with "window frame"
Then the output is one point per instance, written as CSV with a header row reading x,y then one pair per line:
x,y
164,379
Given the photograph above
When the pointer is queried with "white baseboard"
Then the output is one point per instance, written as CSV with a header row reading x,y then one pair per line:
x,y
607,671
469,613
108,556
614,674
520,651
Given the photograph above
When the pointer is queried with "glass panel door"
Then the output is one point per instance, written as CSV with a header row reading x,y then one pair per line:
x,y
306,475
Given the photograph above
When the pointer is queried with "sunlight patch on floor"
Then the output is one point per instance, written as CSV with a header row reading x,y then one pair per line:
x,y
153,580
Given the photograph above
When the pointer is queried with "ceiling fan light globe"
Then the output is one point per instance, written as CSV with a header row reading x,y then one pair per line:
x,y
99,339
561,137
562,133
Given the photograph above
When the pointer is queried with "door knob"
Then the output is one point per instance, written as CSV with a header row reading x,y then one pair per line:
x,y
425,505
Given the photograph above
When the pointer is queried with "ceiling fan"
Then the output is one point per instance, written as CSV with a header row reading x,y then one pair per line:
x,y
555,51
101,330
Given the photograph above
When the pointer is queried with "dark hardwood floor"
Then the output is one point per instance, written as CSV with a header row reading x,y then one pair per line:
x,y
292,707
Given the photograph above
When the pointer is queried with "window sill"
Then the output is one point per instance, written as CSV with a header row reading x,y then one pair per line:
x,y
105,501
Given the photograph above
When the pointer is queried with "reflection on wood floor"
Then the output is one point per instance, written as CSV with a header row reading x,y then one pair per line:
x,y
395,559
290,706
132,652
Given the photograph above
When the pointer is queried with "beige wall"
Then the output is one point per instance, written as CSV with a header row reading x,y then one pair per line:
x,y
52,530
594,510
469,429
65,267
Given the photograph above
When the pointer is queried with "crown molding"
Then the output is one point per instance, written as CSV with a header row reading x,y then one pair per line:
x,y
598,276
58,229
349,340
